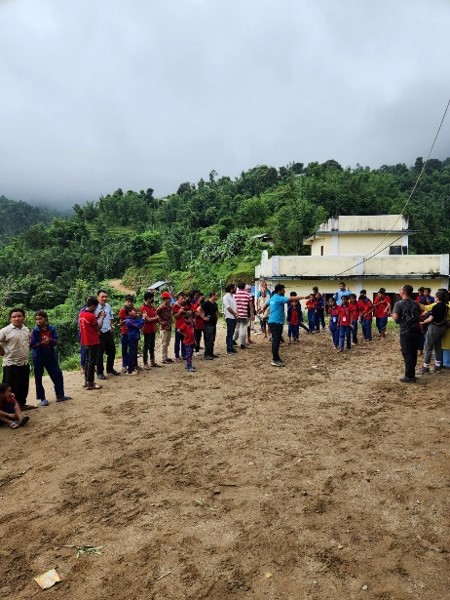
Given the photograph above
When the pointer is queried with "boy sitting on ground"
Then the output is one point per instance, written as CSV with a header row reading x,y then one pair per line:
x,y
10,412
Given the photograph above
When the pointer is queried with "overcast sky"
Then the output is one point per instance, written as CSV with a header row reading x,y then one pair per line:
x,y
101,94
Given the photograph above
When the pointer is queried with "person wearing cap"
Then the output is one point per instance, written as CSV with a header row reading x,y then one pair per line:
x,y
382,306
164,312
277,303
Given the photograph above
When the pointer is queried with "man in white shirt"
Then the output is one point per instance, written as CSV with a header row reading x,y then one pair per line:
x,y
15,349
230,314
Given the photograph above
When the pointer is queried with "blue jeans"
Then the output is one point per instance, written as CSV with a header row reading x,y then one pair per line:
x,y
311,320
125,349
366,326
51,364
293,331
179,343
381,323
231,328
334,330
345,333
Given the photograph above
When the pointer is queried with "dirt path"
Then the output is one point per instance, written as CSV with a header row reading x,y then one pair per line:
x,y
239,481
117,285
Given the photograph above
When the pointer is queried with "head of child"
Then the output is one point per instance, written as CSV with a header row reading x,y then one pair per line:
x,y
129,300
317,295
344,300
352,298
332,302
166,297
293,295
41,318
362,293
421,291
5,391
188,317
149,297
311,297
427,292
180,298
131,311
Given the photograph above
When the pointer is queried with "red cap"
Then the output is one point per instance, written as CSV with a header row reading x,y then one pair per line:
x,y
166,295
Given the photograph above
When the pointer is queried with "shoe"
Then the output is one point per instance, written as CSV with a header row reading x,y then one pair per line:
x,y
230,352
169,360
153,364
437,369
243,347
424,371
215,355
43,402
113,372
124,369
408,380
132,373
191,370
102,377
235,343
208,358
277,363
63,398
147,367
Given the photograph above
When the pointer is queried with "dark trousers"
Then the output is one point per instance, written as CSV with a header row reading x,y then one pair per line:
x,y
293,331
345,335
231,328
132,355
51,364
179,344
91,362
198,338
188,352
18,378
125,349
149,347
108,347
408,344
277,333
210,337
334,330
320,319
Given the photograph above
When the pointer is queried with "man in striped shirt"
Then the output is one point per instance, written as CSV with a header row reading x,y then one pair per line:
x,y
243,300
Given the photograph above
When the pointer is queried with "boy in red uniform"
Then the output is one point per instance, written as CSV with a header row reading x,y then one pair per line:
x,y
355,316
365,308
334,322
148,311
90,326
382,305
311,305
186,330
345,324
178,310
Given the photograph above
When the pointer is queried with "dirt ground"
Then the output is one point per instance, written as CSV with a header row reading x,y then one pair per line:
x,y
327,479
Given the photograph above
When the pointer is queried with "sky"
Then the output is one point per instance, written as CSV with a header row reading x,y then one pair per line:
x,y
96,95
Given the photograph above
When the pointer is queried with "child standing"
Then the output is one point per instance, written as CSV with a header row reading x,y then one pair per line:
x,y
129,302
43,342
10,412
148,311
133,325
311,306
365,308
294,317
334,322
382,306
186,330
345,324
355,315
320,311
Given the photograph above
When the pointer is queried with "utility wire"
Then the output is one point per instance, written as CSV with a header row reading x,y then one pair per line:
x,y
375,252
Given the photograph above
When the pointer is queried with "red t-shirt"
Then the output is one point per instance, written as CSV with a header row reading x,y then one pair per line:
x,y
150,311
311,305
88,331
177,309
382,306
294,317
365,309
122,316
188,330
198,321
345,315
354,310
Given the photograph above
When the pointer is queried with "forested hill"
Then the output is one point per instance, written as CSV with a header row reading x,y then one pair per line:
x,y
16,217
207,233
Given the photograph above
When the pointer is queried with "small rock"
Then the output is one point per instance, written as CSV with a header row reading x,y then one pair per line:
x,y
365,588
216,491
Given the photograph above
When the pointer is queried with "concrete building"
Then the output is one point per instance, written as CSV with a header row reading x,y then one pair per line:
x,y
364,251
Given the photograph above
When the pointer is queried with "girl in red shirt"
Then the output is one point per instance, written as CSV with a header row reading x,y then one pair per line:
x,y
186,329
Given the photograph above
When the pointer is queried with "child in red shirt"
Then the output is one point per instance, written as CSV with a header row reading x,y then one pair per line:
x,y
382,310
148,311
355,315
365,308
345,324
186,330
311,305
334,322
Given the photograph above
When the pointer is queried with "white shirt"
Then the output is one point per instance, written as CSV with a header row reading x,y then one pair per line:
x,y
16,343
229,301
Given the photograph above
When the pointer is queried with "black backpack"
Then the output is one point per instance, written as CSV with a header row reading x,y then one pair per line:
x,y
411,314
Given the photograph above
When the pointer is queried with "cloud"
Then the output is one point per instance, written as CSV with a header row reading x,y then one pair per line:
x,y
100,95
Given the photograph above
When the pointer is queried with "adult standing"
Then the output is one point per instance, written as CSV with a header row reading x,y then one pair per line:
x,y
90,326
342,291
164,312
106,336
209,312
406,313
276,320
15,349
262,298
243,300
230,314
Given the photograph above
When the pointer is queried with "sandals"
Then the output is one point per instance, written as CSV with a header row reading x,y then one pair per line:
x,y
14,425
24,421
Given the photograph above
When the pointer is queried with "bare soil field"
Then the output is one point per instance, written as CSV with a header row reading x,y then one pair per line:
x,y
326,479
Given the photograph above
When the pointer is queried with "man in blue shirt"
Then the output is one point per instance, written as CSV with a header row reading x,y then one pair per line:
x,y
107,344
342,291
276,320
